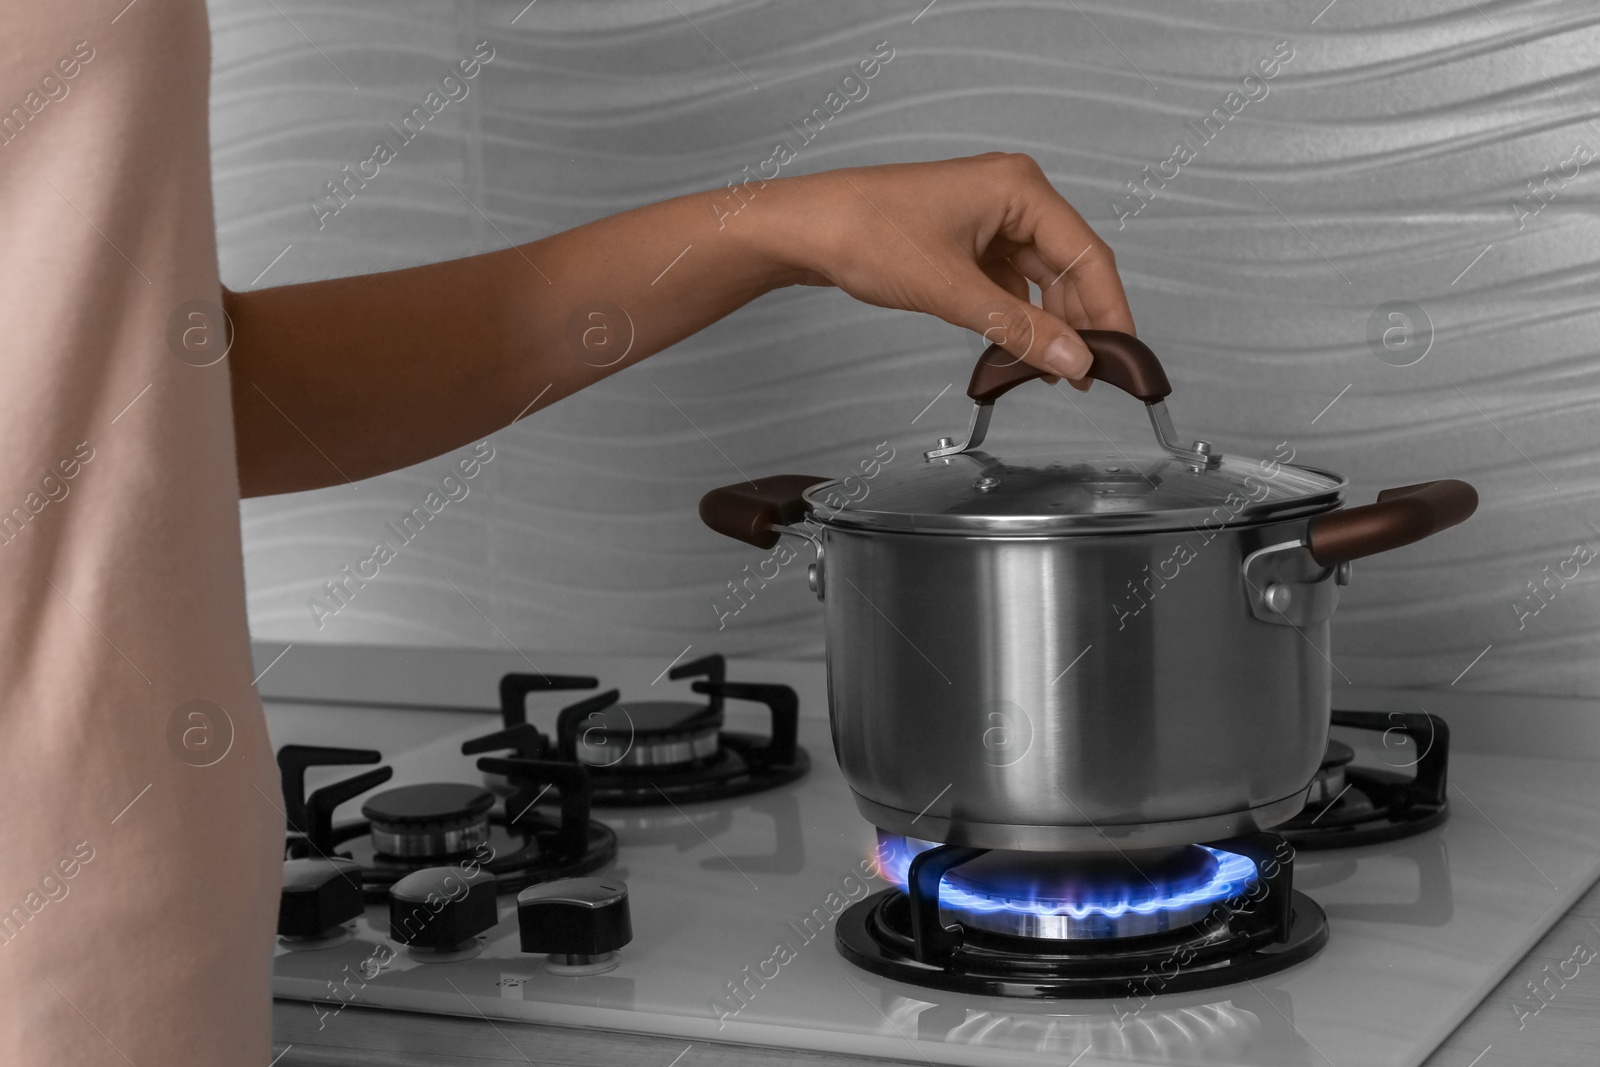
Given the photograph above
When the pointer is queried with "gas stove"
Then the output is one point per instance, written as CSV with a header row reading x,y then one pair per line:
x,y
780,917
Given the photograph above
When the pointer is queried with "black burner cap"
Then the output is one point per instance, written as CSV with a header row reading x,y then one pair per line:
x,y
651,720
421,805
1338,755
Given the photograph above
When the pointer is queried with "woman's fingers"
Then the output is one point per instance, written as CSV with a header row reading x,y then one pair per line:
x,y
1068,245
1027,332
1003,271
1007,277
1058,294
1072,309
1058,290
959,239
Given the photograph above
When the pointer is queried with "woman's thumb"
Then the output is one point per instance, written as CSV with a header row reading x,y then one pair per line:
x,y
1029,333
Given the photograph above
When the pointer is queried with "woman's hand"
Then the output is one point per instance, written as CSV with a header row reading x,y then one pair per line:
x,y
959,239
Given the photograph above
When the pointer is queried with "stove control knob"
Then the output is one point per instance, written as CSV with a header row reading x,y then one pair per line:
x,y
319,896
442,910
580,922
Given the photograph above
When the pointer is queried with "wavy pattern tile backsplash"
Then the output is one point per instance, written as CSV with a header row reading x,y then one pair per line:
x,y
1383,163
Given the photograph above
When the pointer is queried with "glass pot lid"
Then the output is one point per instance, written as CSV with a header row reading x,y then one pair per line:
x,y
956,488
1095,489
1077,489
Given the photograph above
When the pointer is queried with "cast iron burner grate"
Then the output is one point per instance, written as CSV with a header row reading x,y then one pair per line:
x,y
656,752
442,823
1352,805
898,934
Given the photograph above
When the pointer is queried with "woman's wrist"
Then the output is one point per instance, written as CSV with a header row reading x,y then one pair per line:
x,y
788,228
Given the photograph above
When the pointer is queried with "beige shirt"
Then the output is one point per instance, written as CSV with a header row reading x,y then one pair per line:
x,y
142,844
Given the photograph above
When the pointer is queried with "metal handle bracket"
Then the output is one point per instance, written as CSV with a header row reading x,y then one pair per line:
x,y
1287,587
1200,456
977,430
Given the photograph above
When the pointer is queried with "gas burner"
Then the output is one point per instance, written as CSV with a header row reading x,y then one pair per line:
x,y
1078,896
1351,805
656,751
647,735
1217,914
433,821
417,827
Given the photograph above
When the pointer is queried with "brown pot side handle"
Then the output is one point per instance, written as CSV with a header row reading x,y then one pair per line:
x,y
1400,516
1120,359
752,511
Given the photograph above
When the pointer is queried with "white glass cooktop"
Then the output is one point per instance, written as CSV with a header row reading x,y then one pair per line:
x,y
1420,930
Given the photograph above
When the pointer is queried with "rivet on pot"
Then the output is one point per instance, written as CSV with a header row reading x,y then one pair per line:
x,y
986,484
1277,597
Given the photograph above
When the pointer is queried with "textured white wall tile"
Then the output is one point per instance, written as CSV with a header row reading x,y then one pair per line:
x,y
1381,162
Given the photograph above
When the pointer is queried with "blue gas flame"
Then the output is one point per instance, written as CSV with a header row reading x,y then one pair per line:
x,y
1232,876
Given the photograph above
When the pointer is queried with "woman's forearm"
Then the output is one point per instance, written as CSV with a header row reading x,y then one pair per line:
x,y
351,377
344,379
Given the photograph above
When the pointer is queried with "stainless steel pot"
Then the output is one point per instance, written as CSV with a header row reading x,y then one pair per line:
x,y
1120,648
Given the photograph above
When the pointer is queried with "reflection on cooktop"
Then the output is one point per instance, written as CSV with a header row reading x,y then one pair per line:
x,y
1193,1029
691,827
1423,861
